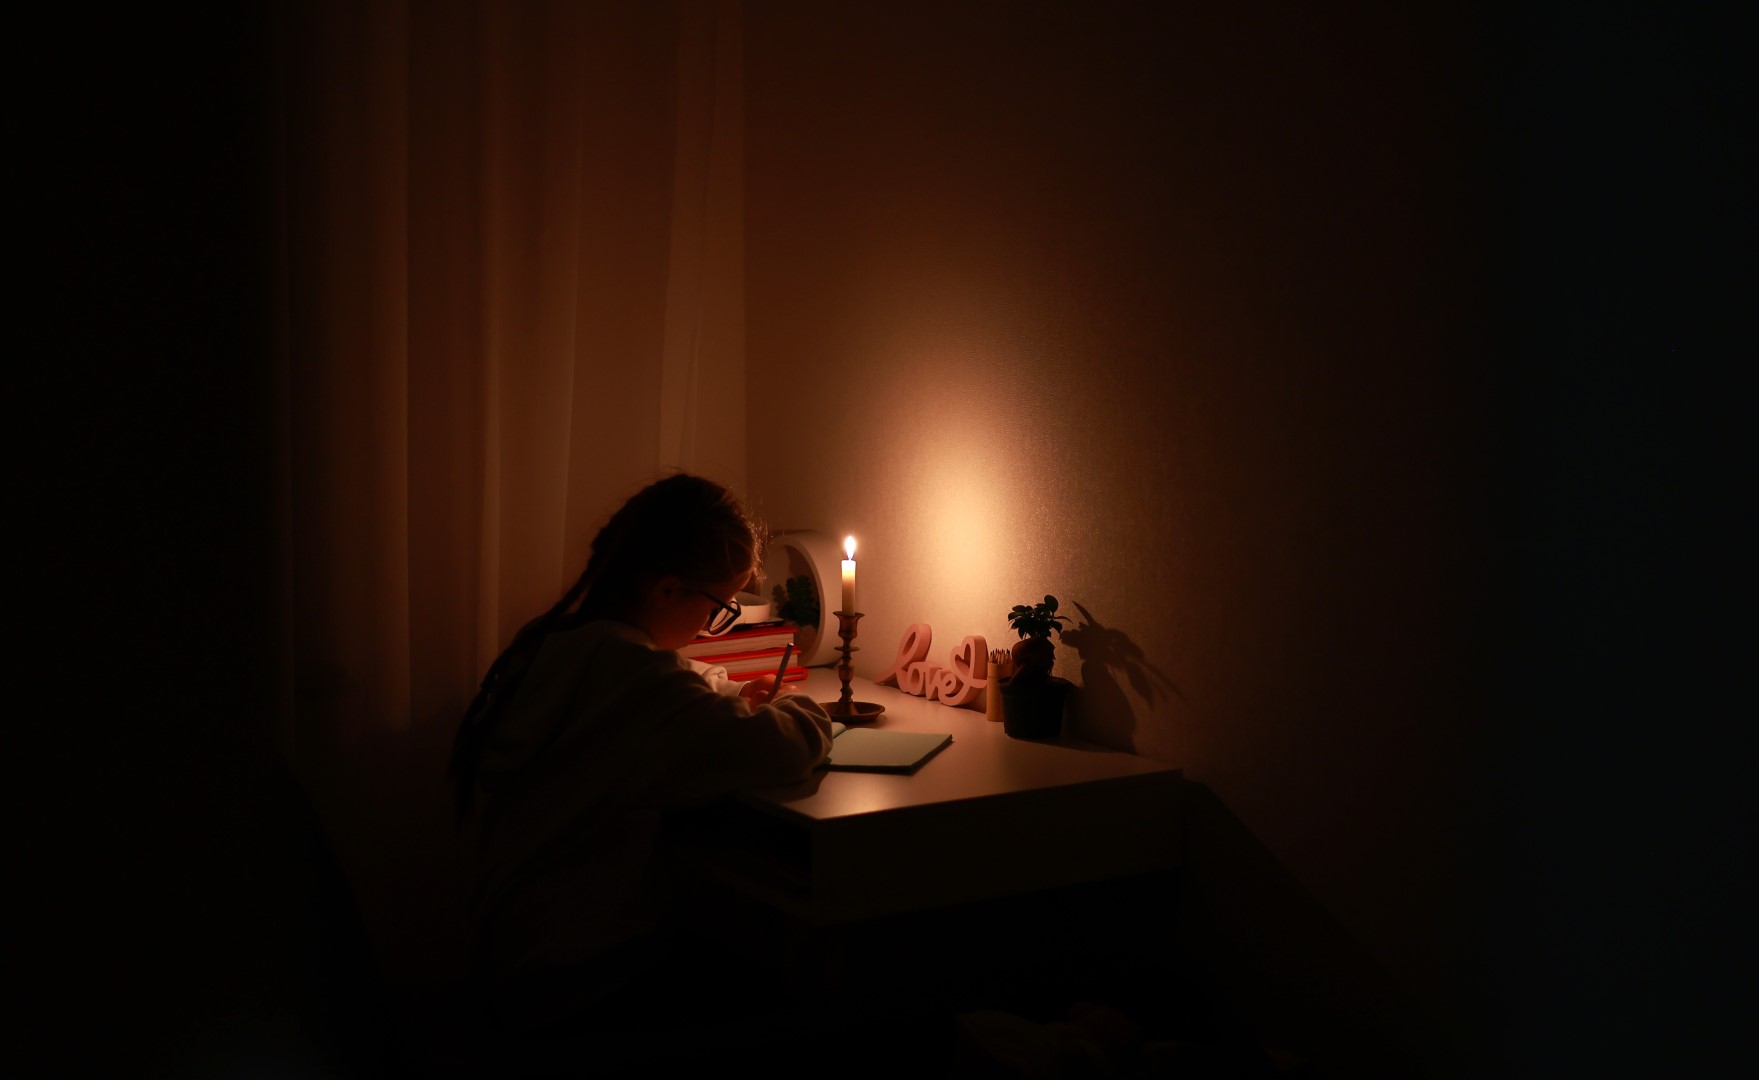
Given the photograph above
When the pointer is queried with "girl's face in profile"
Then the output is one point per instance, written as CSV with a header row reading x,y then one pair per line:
x,y
679,609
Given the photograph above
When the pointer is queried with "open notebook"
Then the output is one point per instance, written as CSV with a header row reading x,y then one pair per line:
x,y
876,750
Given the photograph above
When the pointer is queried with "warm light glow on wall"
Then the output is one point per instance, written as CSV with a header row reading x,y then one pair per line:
x,y
964,523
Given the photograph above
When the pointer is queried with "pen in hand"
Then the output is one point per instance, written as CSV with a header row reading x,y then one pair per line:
x,y
780,670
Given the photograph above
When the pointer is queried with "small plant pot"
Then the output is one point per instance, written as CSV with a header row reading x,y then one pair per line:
x,y
1034,710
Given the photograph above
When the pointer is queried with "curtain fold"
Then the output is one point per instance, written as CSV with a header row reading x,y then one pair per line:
x,y
498,233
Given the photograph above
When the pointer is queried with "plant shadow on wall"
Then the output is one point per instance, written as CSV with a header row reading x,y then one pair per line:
x,y
1104,712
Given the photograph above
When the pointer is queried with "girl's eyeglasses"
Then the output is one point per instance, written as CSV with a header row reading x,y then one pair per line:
x,y
726,614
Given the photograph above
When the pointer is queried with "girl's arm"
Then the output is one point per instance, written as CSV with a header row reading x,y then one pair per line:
x,y
728,744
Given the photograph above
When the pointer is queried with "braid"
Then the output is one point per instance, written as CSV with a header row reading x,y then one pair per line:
x,y
498,686
682,525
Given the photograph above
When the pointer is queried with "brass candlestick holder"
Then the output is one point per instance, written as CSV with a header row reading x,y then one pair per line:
x,y
846,708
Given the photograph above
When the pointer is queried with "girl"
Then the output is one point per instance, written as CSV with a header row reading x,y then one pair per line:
x,y
589,728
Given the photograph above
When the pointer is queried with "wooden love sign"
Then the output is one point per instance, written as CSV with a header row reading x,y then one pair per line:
x,y
959,683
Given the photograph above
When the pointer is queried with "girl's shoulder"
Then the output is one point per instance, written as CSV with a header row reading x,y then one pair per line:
x,y
602,637
609,630
606,645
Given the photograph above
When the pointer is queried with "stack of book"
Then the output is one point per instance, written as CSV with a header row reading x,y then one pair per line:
x,y
749,650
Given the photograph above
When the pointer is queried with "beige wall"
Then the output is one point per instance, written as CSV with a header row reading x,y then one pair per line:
x,y
1170,318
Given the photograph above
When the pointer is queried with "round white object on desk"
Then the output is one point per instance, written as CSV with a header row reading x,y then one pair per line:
x,y
796,551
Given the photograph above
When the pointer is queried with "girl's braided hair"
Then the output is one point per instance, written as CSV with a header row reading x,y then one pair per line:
x,y
683,524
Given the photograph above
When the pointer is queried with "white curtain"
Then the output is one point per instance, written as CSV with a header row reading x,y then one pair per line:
x,y
510,295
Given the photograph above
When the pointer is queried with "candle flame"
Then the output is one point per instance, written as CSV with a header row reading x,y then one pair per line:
x,y
849,547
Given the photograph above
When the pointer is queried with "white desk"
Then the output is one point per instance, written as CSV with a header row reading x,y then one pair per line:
x,y
988,816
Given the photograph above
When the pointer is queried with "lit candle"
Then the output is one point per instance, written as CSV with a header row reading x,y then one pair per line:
x,y
849,574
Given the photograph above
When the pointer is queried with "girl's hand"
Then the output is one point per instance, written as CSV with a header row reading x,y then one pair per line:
x,y
757,691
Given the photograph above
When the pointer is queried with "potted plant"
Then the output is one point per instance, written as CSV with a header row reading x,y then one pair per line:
x,y
1032,698
796,602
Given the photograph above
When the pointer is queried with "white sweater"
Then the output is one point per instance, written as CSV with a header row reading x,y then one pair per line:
x,y
605,733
